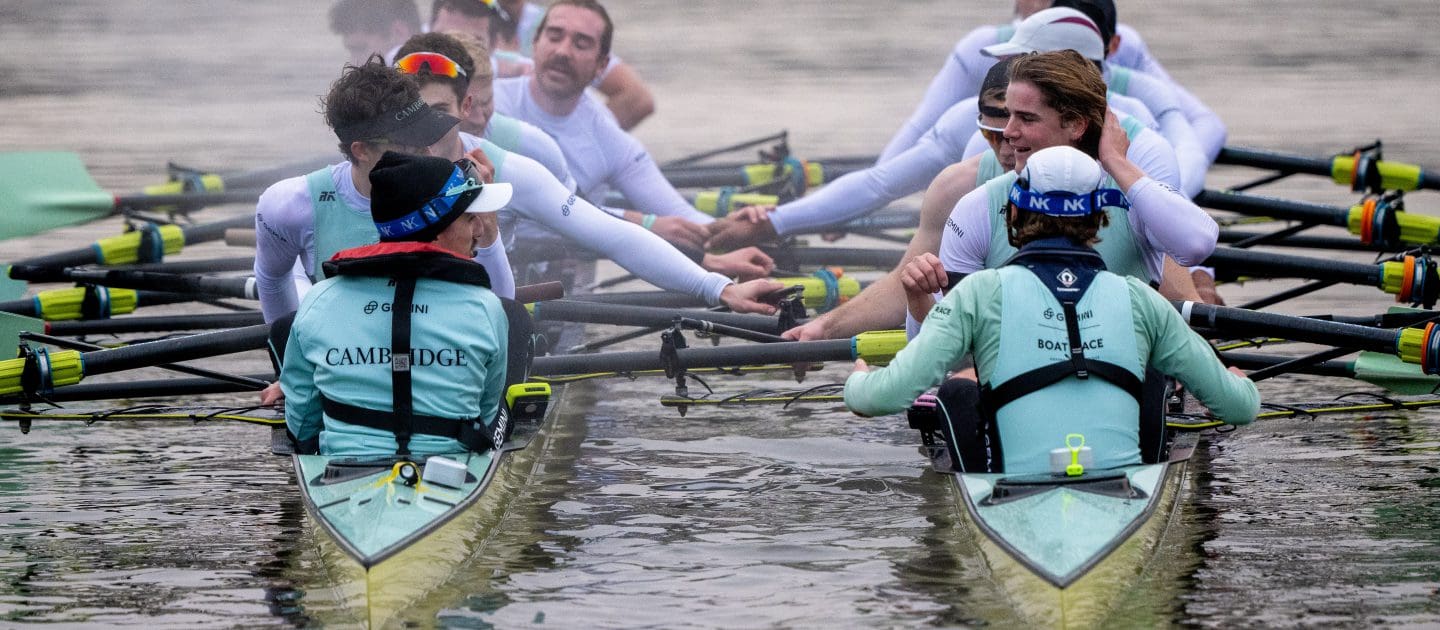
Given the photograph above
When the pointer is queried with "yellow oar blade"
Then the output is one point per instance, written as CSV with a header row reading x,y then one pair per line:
x,y
40,191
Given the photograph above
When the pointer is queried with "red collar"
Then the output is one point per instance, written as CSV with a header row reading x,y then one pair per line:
x,y
390,249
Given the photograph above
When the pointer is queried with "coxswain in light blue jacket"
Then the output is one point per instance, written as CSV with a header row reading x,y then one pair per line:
x,y
1060,344
402,351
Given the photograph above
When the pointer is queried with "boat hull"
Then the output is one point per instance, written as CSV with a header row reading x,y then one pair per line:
x,y
1063,557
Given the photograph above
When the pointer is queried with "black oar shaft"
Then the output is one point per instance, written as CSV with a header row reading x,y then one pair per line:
x,y
241,288
1257,158
124,325
175,350
71,344
1255,263
714,175
796,257
722,356
1257,361
88,255
187,200
625,315
1241,322
1310,242
1272,207
150,388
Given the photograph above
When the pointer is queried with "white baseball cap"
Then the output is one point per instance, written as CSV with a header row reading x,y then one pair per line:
x,y
1063,181
1053,29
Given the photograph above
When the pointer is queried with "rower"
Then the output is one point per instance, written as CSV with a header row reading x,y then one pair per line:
x,y
880,306
961,74
486,20
422,374
626,94
372,109
1066,28
1050,329
441,66
571,48
1058,98
477,116
369,27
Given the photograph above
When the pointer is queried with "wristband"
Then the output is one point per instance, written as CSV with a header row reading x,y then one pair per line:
x,y
647,221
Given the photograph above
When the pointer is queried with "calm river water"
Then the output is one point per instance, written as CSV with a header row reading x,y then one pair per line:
x,y
748,518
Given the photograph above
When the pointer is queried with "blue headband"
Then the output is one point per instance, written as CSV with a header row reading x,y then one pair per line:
x,y
1066,204
435,210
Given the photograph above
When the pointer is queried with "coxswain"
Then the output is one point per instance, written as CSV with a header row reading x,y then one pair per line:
x,y
442,67
1051,330
402,351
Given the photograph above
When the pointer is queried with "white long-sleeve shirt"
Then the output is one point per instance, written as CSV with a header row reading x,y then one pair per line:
x,y
285,231
856,194
964,70
599,153
538,197
1163,220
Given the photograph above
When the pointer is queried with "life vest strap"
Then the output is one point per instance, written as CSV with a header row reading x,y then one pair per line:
x,y
470,432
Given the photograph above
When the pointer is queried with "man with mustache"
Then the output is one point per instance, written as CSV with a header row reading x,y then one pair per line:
x,y
572,47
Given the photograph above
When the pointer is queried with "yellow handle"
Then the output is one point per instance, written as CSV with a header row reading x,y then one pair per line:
x,y
1074,442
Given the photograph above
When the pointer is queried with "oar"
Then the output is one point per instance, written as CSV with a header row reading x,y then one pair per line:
x,y
624,315
41,191
91,302
231,287
215,265
70,344
163,323
174,388
41,371
875,347
150,243
1411,279
796,257
816,172
1383,370
1241,238
1413,345
1374,220
821,291
1373,174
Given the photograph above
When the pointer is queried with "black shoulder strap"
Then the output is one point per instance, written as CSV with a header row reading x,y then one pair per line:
x,y
993,399
400,392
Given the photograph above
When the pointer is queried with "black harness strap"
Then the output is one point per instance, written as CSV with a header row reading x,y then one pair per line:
x,y
992,400
472,433
402,396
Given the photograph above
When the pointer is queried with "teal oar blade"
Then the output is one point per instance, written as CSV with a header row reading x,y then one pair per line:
x,y
10,289
1390,372
41,191
11,325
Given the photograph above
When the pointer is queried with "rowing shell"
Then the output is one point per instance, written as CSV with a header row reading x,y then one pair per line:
x,y
1063,552
386,543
